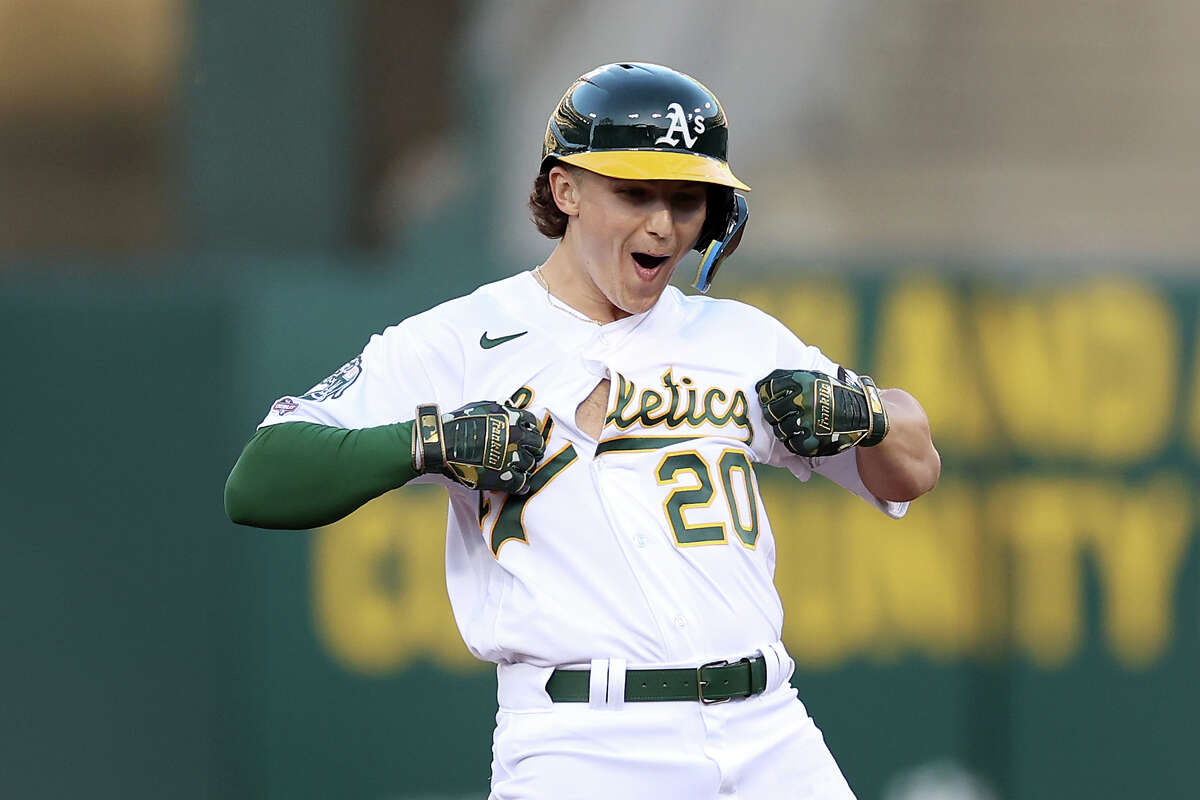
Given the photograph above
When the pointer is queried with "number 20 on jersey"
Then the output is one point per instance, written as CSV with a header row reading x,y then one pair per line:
x,y
694,488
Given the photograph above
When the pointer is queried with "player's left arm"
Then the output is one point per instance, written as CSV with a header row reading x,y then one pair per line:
x,y
905,464
816,415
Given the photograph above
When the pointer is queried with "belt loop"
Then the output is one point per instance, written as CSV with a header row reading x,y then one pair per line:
x,y
598,683
616,682
779,665
773,667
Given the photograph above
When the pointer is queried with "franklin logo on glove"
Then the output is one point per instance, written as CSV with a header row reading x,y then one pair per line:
x,y
824,424
815,414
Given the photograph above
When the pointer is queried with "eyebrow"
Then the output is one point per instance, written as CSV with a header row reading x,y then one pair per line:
x,y
684,186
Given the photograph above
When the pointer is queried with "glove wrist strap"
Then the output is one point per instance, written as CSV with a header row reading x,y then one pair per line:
x,y
429,441
878,414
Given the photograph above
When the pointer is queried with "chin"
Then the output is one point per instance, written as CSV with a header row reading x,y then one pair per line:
x,y
639,303
649,292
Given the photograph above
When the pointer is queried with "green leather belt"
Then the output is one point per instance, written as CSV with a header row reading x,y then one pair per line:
x,y
714,682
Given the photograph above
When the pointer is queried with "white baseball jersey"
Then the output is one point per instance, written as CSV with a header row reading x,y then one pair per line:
x,y
649,544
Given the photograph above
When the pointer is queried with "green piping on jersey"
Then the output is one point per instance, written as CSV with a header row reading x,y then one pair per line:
x,y
639,444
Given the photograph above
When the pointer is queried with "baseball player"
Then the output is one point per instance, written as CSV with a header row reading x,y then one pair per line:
x,y
596,430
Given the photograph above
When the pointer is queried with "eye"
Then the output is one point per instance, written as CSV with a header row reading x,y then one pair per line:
x,y
689,200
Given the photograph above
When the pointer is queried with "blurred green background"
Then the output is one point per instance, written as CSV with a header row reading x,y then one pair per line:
x,y
206,206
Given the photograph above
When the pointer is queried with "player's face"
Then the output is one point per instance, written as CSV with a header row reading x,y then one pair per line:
x,y
630,235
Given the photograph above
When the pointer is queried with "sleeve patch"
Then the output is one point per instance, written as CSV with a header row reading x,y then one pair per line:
x,y
285,405
336,384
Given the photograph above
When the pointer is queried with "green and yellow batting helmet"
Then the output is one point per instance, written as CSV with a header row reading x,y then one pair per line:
x,y
648,122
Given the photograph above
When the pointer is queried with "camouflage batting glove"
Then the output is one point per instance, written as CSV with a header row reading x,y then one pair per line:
x,y
815,414
482,445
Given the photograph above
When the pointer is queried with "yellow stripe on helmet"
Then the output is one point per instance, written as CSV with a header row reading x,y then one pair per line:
x,y
656,165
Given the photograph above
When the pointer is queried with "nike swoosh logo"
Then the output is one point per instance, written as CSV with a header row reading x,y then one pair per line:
x,y
487,343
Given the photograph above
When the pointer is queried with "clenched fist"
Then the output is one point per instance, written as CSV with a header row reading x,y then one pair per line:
x,y
815,414
482,445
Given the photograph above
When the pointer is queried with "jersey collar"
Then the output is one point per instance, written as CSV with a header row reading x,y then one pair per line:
x,y
560,319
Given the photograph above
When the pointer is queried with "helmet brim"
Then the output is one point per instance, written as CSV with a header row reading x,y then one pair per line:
x,y
655,165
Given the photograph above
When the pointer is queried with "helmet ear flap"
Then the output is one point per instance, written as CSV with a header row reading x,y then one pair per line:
x,y
723,245
719,207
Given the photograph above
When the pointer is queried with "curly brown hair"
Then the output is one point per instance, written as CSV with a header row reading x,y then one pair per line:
x,y
550,221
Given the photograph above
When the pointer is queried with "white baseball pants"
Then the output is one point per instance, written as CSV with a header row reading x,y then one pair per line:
x,y
759,748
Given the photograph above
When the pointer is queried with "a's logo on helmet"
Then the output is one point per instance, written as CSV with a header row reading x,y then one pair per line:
x,y
679,124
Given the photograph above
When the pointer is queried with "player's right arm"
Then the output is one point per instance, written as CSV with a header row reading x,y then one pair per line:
x,y
321,455
301,475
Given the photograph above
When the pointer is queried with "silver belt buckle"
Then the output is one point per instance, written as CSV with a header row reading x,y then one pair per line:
x,y
701,683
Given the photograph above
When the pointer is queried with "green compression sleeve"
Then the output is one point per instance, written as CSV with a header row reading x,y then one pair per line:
x,y
299,475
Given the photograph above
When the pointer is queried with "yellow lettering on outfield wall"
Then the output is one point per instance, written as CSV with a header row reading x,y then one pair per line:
x,y
809,571
914,585
1038,520
379,585
1140,540
822,313
1084,372
977,572
922,349
853,581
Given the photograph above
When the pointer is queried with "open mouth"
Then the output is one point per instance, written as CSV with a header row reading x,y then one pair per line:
x,y
647,261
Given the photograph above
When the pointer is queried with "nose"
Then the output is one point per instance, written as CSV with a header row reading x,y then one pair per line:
x,y
660,222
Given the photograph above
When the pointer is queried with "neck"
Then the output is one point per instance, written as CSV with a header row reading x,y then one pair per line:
x,y
568,282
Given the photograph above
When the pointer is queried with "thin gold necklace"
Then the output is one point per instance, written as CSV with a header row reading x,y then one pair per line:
x,y
554,301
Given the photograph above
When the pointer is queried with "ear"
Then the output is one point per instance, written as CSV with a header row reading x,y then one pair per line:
x,y
564,188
